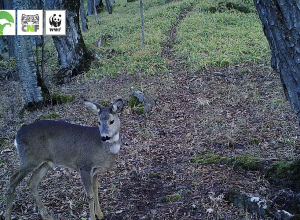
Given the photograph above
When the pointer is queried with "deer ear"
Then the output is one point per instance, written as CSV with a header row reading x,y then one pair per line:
x,y
118,106
94,107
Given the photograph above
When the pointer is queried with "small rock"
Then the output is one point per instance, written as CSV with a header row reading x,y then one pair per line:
x,y
139,95
144,98
147,101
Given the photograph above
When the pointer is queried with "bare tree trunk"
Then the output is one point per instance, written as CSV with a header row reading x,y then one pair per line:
x,y
108,6
143,26
27,71
8,4
95,12
90,7
83,17
73,55
280,19
35,91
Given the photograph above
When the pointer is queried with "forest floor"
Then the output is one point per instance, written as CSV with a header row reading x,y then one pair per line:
x,y
229,111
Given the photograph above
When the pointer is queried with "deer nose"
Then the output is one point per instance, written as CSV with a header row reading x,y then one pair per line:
x,y
105,138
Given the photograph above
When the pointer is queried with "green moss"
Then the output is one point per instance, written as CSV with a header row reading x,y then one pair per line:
x,y
23,125
133,101
105,103
59,98
245,162
285,173
2,142
248,162
279,169
254,141
140,110
172,198
53,115
211,159
49,116
153,175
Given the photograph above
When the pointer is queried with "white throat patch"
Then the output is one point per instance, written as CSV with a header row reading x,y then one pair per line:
x,y
115,148
114,138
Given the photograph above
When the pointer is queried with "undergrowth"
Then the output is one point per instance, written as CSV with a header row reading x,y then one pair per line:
x,y
203,38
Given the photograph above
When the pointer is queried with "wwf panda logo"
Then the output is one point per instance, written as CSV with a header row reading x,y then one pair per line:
x,y
55,21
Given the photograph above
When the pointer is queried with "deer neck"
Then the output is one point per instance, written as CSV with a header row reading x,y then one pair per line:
x,y
114,143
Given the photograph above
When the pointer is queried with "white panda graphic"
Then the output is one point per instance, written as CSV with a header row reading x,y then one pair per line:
x,y
55,21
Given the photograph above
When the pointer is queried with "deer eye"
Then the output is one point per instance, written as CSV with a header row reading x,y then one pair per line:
x,y
111,122
99,123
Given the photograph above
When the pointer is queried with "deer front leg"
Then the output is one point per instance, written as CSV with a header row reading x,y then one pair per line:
x,y
87,181
99,213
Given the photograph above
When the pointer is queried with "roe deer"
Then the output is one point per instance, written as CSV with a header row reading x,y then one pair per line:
x,y
90,150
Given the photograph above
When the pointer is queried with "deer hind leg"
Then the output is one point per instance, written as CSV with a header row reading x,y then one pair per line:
x,y
14,181
34,181
98,211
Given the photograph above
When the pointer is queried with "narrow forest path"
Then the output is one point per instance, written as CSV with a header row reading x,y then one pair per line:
x,y
167,46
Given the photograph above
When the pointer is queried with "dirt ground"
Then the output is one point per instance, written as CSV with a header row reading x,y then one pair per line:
x,y
230,111
239,110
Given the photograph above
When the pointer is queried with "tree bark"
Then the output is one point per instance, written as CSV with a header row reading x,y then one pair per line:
x,y
143,26
281,25
10,39
83,17
35,91
90,7
73,55
96,13
108,6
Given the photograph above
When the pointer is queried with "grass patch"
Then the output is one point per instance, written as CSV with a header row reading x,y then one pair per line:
x,y
203,38
221,39
123,53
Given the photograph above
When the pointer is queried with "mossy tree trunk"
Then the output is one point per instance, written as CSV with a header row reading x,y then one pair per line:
x,y
72,53
281,25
